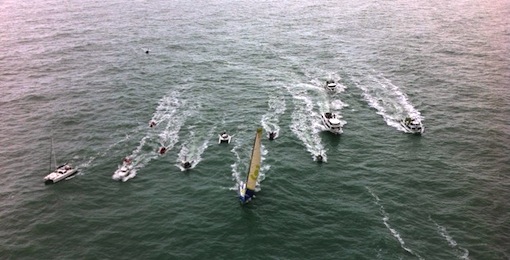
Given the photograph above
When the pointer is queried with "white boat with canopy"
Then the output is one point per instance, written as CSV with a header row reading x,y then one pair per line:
x,y
332,122
330,85
412,125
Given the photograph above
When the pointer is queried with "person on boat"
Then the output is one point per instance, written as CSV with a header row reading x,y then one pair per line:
x,y
127,160
152,123
224,135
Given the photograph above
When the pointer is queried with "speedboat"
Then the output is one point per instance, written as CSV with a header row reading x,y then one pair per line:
x,y
332,122
224,138
272,135
162,150
124,170
330,85
62,172
186,164
412,125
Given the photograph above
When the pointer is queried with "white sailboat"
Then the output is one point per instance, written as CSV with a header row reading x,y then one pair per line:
x,y
247,189
61,172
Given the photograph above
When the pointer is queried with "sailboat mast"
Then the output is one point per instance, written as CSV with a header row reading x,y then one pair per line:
x,y
51,152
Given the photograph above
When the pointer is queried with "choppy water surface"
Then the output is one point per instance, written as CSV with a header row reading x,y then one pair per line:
x,y
79,73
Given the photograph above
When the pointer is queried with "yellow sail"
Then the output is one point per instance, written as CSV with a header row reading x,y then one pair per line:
x,y
253,173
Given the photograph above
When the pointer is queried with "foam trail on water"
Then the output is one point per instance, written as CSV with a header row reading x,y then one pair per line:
x,y
305,121
82,167
328,101
244,164
236,176
321,83
389,101
192,149
462,253
263,168
168,123
271,119
394,232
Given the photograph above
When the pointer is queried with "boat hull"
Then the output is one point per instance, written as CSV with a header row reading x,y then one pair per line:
x,y
55,176
247,189
413,129
123,173
226,139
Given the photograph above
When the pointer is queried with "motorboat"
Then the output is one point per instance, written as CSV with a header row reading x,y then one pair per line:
x,y
272,135
412,125
332,122
186,164
224,138
124,171
330,85
62,172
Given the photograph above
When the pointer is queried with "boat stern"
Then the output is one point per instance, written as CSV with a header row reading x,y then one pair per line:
x,y
245,194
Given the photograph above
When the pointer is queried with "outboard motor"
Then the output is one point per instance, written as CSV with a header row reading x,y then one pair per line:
x,y
272,135
319,158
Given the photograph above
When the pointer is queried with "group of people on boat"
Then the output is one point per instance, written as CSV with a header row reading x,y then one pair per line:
x,y
64,168
126,161
329,115
410,121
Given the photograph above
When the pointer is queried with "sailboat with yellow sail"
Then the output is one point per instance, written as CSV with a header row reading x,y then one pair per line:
x,y
247,189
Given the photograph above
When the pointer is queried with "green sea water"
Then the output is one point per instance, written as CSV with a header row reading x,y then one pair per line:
x,y
77,72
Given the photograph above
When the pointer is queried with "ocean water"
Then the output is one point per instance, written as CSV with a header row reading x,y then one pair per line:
x,y
76,72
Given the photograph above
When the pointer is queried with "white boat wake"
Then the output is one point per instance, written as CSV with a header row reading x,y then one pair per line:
x,y
167,125
241,165
193,148
271,119
389,101
394,232
305,121
461,252
83,167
